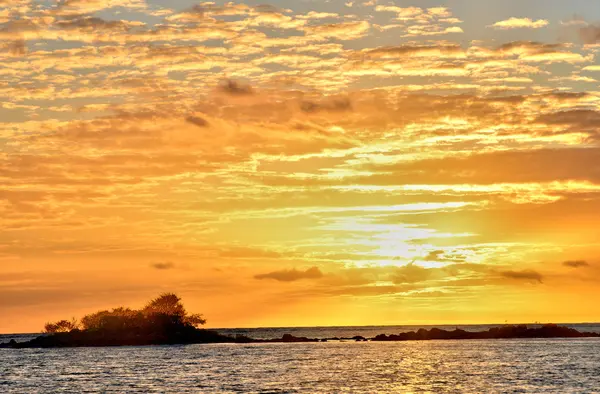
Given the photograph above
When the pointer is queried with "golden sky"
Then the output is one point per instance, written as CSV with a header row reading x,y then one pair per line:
x,y
301,163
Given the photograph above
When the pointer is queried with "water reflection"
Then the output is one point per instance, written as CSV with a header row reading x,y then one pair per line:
x,y
434,366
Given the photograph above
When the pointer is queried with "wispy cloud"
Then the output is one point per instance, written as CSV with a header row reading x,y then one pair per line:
x,y
520,23
527,275
162,265
292,275
576,263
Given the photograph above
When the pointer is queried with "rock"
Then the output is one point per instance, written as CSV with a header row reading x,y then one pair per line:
x,y
291,338
506,332
182,334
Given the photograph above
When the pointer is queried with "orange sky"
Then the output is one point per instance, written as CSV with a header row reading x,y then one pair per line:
x,y
300,163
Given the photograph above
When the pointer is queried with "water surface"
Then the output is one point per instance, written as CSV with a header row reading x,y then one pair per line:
x,y
471,366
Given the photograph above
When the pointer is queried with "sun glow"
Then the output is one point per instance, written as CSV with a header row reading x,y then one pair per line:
x,y
261,160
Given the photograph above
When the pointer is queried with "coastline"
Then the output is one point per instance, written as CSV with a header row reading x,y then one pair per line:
x,y
79,338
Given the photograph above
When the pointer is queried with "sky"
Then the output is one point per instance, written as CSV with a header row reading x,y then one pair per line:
x,y
301,163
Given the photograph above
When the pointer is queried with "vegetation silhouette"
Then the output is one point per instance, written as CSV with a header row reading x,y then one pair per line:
x,y
504,332
162,311
164,321
61,326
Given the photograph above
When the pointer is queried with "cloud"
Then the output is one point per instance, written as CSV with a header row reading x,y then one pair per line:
x,y
402,14
318,15
531,51
431,30
426,51
235,88
590,34
576,20
527,275
275,19
292,275
335,105
75,7
333,153
197,121
576,263
576,119
341,31
591,68
163,265
434,255
94,24
423,22
536,165
409,274
15,48
520,23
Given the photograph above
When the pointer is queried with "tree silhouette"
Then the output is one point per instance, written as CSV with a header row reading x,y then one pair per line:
x,y
169,304
61,326
166,303
163,313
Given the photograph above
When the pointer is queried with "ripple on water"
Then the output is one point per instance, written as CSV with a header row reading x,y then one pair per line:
x,y
539,366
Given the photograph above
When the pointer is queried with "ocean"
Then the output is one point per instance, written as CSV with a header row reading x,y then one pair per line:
x,y
467,366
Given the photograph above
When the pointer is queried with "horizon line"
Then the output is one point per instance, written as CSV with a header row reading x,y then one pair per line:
x,y
364,326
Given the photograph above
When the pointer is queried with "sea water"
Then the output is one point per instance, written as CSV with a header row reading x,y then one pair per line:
x,y
464,366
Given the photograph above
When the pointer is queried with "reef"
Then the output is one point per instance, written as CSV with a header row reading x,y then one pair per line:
x,y
503,332
177,334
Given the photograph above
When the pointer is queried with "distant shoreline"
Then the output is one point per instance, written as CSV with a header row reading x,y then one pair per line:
x,y
79,338
383,326
403,325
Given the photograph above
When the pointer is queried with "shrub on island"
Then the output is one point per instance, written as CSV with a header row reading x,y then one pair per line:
x,y
163,320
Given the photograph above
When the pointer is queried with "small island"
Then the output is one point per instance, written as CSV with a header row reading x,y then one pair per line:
x,y
164,321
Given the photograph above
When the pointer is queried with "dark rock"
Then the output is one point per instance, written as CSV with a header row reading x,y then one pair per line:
x,y
291,338
170,334
505,332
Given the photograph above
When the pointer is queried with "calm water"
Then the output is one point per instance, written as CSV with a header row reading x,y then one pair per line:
x,y
533,365
368,331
